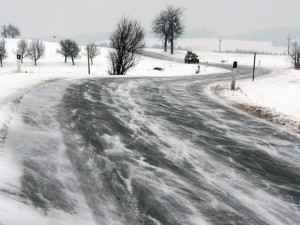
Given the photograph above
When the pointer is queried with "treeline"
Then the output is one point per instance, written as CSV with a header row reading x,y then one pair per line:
x,y
70,49
35,50
243,51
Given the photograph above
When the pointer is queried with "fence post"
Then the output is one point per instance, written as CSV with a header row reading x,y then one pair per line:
x,y
254,67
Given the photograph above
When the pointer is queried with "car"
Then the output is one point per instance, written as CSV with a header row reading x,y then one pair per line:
x,y
191,57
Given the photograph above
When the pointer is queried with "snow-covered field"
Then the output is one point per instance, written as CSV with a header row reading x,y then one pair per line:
x,y
212,44
268,61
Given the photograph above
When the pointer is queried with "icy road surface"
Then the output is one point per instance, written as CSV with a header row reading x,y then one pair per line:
x,y
145,151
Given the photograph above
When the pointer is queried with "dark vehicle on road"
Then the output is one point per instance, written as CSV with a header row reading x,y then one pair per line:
x,y
191,57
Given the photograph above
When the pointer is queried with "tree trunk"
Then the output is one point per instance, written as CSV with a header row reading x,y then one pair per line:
x,y
73,61
1,62
165,44
66,59
172,44
35,62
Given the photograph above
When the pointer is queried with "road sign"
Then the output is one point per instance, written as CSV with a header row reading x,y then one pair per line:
x,y
18,61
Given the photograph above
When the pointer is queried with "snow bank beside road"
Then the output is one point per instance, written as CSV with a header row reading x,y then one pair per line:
x,y
281,92
274,97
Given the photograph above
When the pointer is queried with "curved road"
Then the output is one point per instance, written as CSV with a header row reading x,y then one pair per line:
x,y
152,151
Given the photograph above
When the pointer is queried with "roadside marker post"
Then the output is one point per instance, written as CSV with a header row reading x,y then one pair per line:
x,y
88,55
198,70
234,75
254,67
18,61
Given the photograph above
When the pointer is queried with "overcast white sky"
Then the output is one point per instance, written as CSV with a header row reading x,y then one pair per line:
x,y
69,17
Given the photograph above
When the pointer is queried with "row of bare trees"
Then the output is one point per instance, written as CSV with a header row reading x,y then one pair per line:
x,y
70,49
34,50
128,41
10,31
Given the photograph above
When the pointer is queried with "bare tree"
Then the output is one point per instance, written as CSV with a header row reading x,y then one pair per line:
x,y
74,51
175,26
23,48
94,51
65,47
169,25
3,53
4,31
289,38
36,50
128,43
160,27
13,31
295,54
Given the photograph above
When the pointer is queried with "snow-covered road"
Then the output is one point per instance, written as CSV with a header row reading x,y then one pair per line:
x,y
145,151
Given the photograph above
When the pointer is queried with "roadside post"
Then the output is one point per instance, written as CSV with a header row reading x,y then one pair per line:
x,y
254,67
88,55
18,61
198,70
234,75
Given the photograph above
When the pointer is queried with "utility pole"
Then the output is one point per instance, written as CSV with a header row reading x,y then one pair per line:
x,y
220,42
289,38
88,55
254,67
